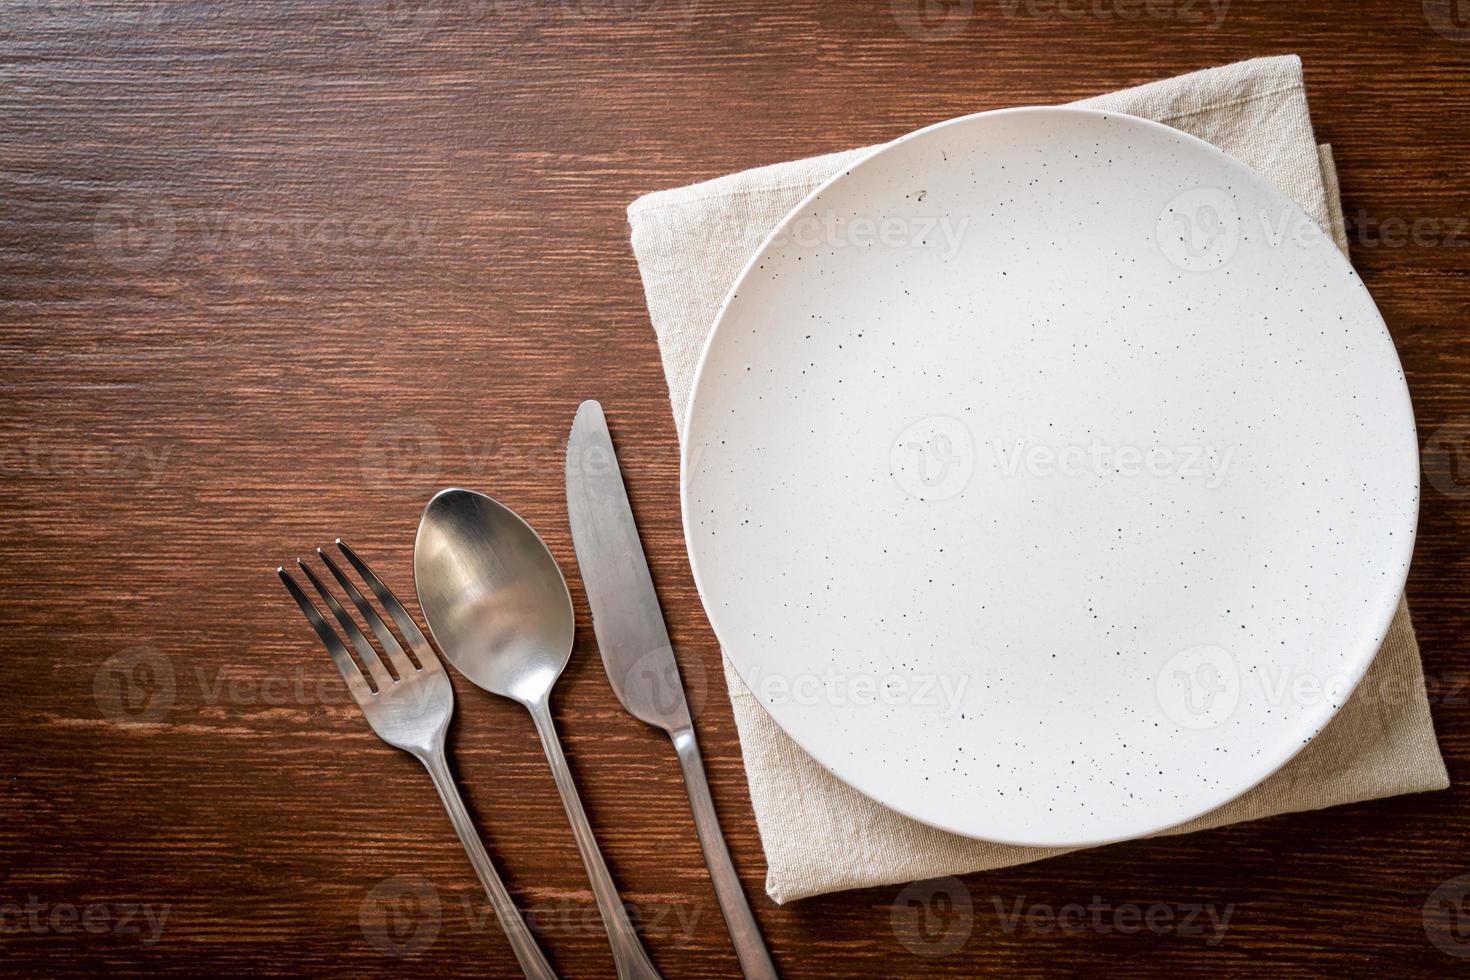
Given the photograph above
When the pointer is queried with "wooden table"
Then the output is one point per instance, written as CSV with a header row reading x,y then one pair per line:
x,y
272,273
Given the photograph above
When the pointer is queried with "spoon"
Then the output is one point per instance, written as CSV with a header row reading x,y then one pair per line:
x,y
497,604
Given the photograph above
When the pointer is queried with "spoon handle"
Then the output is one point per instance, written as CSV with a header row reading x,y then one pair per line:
x,y
628,953
522,943
755,960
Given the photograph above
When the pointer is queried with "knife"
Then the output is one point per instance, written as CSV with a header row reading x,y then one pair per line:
x,y
636,651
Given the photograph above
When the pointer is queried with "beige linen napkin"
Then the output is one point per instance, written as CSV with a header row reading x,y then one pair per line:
x,y
820,835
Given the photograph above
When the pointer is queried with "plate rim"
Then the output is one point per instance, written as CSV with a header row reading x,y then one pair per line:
x,y
1399,579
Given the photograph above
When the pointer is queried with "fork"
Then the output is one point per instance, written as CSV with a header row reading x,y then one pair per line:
x,y
408,703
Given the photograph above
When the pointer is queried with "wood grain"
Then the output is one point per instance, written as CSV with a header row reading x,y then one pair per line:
x,y
275,273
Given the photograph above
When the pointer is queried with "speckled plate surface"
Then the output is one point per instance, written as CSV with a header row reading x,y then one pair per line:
x,y
1050,477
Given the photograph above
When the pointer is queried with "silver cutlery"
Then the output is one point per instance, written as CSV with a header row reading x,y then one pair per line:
x,y
408,705
636,651
497,604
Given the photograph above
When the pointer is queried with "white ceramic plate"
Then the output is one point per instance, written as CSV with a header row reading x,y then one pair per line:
x,y
1050,477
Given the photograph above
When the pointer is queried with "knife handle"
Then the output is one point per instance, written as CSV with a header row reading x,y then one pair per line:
x,y
755,960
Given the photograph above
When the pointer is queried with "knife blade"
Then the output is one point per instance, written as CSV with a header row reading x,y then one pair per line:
x,y
626,615
636,653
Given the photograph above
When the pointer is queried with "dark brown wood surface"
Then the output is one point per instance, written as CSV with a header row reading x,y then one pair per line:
x,y
271,273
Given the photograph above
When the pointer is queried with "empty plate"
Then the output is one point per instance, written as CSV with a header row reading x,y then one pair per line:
x,y
1050,477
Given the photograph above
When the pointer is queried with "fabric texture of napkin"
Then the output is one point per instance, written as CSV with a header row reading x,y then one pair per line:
x,y
819,834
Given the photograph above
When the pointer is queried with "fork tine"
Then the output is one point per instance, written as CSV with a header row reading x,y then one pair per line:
x,y
385,636
345,664
406,625
365,650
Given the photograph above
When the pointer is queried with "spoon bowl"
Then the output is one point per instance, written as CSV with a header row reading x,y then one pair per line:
x,y
493,594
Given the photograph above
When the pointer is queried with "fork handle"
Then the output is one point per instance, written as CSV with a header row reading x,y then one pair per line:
x,y
629,956
755,960
522,943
